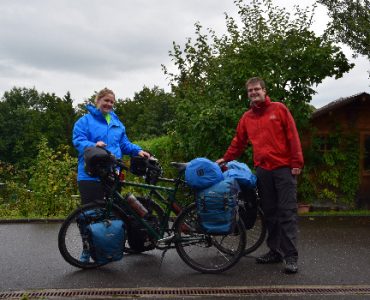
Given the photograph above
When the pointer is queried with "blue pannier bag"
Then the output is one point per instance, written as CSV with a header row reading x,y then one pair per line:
x,y
217,207
91,216
106,240
202,173
104,236
241,173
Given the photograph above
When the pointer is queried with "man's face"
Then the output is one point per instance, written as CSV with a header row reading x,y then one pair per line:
x,y
256,93
105,104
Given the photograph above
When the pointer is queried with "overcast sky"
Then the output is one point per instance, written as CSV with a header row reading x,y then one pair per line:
x,y
82,46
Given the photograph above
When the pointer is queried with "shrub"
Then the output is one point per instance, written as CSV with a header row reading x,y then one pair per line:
x,y
53,181
49,190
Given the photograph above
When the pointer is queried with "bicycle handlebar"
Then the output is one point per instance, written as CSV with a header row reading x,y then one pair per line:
x,y
121,164
150,162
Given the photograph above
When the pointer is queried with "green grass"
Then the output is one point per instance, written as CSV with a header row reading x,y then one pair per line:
x,y
15,215
360,213
30,219
341,213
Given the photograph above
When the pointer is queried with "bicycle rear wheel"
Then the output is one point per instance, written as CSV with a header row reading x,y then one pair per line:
x,y
203,252
256,234
71,244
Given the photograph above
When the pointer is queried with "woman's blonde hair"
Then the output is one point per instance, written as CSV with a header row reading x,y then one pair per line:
x,y
103,93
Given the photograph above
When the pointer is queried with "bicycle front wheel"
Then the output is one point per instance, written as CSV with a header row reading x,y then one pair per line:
x,y
72,244
203,252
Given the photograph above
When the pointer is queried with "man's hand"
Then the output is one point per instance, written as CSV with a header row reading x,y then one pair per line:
x,y
220,161
296,171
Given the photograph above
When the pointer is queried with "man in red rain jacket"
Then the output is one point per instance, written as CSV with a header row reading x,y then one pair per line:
x,y
270,129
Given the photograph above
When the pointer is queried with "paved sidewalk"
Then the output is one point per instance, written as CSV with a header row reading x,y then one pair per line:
x,y
333,252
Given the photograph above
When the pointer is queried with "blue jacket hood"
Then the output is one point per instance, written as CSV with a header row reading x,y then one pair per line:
x,y
98,114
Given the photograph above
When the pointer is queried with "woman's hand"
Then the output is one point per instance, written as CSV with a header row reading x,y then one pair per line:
x,y
100,144
143,153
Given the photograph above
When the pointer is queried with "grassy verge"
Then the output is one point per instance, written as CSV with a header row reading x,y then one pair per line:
x,y
15,217
331,213
341,213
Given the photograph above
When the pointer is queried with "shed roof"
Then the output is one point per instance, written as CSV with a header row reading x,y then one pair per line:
x,y
339,103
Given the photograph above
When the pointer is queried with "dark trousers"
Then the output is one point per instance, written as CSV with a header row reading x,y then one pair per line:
x,y
90,191
278,193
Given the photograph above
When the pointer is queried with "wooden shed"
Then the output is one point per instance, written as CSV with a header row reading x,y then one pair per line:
x,y
353,115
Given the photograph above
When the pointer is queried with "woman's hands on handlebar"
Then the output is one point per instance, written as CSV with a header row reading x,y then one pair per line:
x,y
143,153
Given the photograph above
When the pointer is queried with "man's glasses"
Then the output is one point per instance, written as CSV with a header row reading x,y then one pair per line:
x,y
254,90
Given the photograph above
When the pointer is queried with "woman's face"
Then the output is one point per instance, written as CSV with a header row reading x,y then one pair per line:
x,y
105,103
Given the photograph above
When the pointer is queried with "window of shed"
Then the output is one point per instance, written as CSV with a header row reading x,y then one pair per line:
x,y
325,143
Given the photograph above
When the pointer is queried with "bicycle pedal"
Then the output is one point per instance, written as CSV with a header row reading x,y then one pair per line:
x,y
166,239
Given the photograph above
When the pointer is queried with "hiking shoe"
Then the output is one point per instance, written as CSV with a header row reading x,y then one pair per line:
x,y
85,256
291,265
269,258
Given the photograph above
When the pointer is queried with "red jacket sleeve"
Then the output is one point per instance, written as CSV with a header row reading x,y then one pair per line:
x,y
293,141
238,143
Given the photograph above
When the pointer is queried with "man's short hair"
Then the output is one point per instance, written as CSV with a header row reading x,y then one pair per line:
x,y
255,80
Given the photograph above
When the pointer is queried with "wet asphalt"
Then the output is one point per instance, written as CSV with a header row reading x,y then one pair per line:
x,y
333,251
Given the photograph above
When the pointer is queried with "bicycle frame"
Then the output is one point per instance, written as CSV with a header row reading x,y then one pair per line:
x,y
115,197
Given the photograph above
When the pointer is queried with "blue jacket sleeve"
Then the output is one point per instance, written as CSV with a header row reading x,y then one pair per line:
x,y
126,146
79,136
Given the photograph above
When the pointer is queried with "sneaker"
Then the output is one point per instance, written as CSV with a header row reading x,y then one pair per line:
x,y
291,266
269,258
85,256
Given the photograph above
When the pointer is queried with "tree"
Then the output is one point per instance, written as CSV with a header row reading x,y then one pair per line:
x,y
145,116
19,126
58,117
81,107
26,116
350,23
148,114
209,86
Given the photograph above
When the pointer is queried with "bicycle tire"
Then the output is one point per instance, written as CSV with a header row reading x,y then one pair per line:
x,y
70,242
207,253
257,234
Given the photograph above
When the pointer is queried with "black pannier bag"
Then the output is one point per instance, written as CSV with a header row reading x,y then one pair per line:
x,y
248,207
98,161
138,165
138,237
150,168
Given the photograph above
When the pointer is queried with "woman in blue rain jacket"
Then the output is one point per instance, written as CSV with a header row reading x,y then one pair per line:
x,y
100,127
